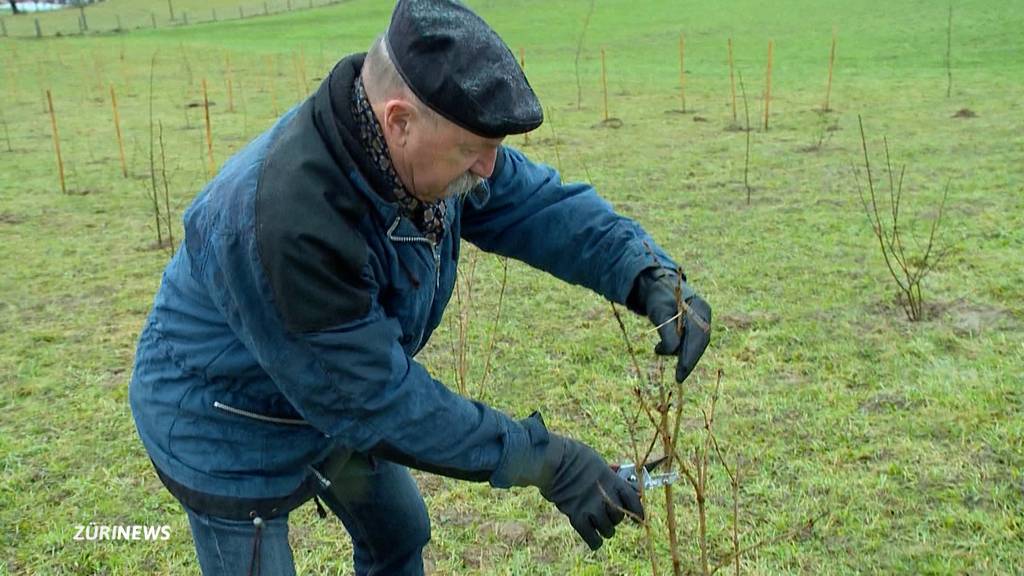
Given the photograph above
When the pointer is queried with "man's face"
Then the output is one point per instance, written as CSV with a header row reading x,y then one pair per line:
x,y
434,157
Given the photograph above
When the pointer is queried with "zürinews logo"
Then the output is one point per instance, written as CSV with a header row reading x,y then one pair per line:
x,y
94,532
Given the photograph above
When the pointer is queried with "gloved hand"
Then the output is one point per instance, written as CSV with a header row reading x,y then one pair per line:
x,y
579,482
654,295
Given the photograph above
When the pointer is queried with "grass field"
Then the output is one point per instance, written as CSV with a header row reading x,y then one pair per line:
x,y
909,436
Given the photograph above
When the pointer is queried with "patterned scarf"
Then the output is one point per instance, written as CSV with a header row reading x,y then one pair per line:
x,y
428,217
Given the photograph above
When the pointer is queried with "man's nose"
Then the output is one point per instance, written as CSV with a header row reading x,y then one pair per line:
x,y
484,166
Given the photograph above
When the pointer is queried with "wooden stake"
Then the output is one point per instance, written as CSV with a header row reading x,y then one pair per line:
x,y
302,72
831,65
117,129
682,72
949,53
170,8
768,87
732,83
231,91
604,84
7,134
209,132
56,143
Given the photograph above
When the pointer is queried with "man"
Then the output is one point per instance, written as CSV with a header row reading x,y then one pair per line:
x,y
278,362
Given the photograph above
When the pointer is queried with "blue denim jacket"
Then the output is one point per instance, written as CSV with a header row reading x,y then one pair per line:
x,y
269,344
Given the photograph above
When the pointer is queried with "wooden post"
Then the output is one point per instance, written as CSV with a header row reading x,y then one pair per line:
x,y
119,28
56,142
522,65
768,87
117,129
604,84
732,83
289,5
831,65
949,53
214,10
184,18
241,13
211,167
7,134
300,73
152,16
682,72
81,12
231,91
170,8
39,30
266,10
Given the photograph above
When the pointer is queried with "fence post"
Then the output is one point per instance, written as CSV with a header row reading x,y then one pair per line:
x,y
153,16
170,8
184,18
39,30
266,11
56,142
241,13
214,14
289,5
85,23
3,27
119,28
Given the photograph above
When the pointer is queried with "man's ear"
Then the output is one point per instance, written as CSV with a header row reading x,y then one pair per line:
x,y
398,117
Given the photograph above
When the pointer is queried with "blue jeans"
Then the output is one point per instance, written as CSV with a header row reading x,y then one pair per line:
x,y
377,501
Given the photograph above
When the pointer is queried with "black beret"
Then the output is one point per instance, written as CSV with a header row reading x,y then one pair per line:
x,y
458,66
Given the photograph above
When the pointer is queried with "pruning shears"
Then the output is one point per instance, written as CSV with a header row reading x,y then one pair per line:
x,y
628,472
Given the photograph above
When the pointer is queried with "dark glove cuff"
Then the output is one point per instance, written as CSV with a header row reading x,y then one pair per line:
x,y
523,462
645,282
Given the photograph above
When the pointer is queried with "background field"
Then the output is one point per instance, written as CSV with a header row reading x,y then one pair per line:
x,y
909,435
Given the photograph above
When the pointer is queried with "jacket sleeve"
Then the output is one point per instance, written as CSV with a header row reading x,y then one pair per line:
x,y
525,212
354,382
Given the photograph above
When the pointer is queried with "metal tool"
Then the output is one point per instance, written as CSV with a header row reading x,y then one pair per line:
x,y
628,472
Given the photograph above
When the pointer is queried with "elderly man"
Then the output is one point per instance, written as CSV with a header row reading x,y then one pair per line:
x,y
278,362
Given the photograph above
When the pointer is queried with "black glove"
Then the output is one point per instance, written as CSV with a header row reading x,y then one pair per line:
x,y
580,483
654,295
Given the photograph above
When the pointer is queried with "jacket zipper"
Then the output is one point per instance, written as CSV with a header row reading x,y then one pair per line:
x,y
255,416
434,250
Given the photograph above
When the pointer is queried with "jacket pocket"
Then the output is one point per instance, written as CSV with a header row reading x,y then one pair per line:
x,y
261,417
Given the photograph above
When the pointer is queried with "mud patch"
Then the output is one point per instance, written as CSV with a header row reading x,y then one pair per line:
x,y
971,318
613,123
885,402
10,218
508,531
746,320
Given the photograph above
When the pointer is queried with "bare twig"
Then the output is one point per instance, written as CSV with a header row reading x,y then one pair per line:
x,y
167,193
579,50
805,527
746,158
152,157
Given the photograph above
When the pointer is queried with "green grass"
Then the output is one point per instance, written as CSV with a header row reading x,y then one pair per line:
x,y
910,435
